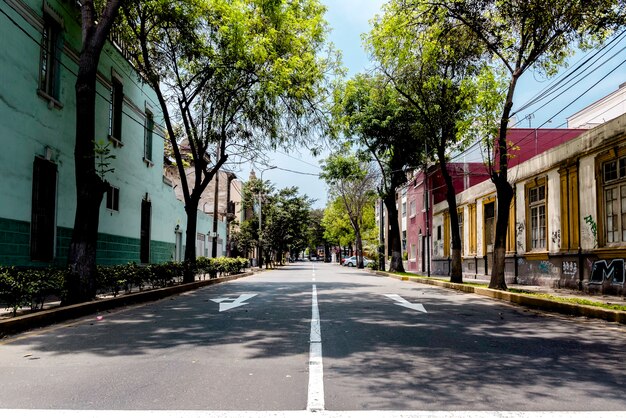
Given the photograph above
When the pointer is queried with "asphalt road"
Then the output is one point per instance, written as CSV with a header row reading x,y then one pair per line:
x,y
377,344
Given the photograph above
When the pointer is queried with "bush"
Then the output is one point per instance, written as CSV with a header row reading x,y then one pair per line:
x,y
21,288
29,287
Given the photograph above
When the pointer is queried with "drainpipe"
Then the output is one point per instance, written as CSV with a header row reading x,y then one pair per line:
x,y
229,177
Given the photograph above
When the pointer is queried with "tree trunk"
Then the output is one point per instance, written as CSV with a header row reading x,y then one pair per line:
x,y
395,242
90,188
359,248
456,269
504,197
190,243
499,176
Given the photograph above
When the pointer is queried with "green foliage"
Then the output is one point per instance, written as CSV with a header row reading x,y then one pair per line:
x,y
102,150
21,288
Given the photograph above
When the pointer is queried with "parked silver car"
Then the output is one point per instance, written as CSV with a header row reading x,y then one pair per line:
x,y
352,261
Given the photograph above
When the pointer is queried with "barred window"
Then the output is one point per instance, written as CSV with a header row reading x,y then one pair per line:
x,y
537,203
614,176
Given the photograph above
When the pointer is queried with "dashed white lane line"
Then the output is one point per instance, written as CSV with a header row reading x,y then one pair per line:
x,y
315,401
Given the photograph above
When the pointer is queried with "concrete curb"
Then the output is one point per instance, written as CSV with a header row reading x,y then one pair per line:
x,y
524,300
64,313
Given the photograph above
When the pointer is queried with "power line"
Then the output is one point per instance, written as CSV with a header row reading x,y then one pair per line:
x,y
561,81
297,159
298,172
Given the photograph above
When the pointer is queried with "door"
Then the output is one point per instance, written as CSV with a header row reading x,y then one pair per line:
x,y
144,250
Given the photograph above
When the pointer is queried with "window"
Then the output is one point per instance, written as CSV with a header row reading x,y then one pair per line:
x,y
537,210
51,47
113,198
413,254
490,216
614,176
412,208
115,114
147,145
403,241
438,232
472,228
403,209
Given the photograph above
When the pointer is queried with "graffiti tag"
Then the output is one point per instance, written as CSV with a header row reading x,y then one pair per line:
x,y
556,238
547,267
593,228
612,271
570,268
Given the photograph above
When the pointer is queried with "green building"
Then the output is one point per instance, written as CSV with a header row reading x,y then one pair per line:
x,y
141,219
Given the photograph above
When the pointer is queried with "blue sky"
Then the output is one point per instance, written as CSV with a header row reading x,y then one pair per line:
x,y
350,18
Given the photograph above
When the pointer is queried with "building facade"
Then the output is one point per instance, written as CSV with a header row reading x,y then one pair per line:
x,y
140,218
568,219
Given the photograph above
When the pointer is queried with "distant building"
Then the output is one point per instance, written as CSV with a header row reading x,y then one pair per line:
x,y
602,111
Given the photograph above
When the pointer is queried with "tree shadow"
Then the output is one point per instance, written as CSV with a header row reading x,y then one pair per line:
x,y
467,352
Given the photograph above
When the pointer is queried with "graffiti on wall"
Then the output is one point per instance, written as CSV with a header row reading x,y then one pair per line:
x,y
546,267
556,238
570,268
519,233
592,229
612,271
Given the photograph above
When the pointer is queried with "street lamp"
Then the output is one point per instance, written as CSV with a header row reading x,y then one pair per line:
x,y
259,255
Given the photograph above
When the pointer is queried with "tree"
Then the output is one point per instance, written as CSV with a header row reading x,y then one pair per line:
x,y
90,187
522,35
287,222
435,66
353,181
244,75
370,110
315,232
336,223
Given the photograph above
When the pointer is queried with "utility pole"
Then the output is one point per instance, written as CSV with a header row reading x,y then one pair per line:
x,y
215,209
260,252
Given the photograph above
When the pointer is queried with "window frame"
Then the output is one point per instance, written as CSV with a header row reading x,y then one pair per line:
x,y
112,198
486,202
51,47
116,110
617,186
148,142
537,244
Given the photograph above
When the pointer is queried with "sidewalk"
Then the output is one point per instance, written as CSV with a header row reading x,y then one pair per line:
x,y
53,313
536,302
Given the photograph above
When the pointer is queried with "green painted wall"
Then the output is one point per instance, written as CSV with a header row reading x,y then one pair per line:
x,y
30,126
112,249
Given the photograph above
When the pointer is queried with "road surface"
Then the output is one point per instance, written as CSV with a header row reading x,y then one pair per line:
x,y
318,337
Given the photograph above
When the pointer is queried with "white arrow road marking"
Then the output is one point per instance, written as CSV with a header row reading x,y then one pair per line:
x,y
406,304
235,303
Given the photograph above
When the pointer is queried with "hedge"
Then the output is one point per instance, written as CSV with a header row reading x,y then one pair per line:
x,y
31,287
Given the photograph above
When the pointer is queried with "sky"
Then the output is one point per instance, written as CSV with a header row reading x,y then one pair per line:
x,y
349,19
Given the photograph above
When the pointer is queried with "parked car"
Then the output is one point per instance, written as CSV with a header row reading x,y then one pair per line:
x,y
352,261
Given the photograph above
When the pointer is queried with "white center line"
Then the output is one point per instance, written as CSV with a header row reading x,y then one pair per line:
x,y
315,400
